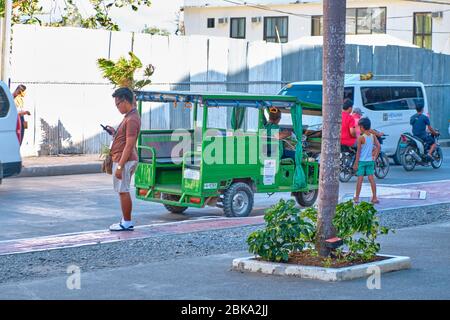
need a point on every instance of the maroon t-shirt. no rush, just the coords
(128, 130)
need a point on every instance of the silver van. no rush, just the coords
(10, 159)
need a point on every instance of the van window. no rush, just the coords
(392, 98)
(312, 93)
(4, 104)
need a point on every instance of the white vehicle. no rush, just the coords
(388, 104)
(10, 160)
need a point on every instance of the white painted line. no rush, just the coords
(423, 195)
(414, 183)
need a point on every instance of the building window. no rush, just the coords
(366, 21)
(237, 28)
(423, 28)
(211, 23)
(317, 25)
(276, 29)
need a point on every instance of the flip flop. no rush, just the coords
(375, 202)
(356, 201)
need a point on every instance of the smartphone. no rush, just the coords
(106, 129)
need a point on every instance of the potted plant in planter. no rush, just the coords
(288, 242)
(122, 73)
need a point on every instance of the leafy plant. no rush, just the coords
(289, 230)
(122, 72)
(358, 226)
(286, 231)
(155, 31)
(27, 12)
(105, 151)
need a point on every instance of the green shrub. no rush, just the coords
(289, 230)
(358, 226)
(286, 231)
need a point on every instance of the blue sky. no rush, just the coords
(162, 14)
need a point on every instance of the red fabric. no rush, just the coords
(357, 117)
(347, 123)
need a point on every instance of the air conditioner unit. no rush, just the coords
(223, 20)
(256, 19)
(438, 14)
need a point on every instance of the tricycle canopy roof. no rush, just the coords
(224, 99)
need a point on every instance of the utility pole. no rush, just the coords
(5, 31)
(333, 74)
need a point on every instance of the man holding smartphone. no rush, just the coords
(124, 154)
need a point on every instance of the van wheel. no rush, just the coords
(238, 200)
(307, 199)
(171, 208)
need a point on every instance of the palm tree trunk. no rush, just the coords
(333, 92)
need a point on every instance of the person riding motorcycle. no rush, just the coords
(420, 123)
(348, 127)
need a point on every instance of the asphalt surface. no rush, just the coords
(210, 276)
(41, 206)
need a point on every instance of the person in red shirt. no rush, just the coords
(348, 130)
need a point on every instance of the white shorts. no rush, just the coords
(123, 186)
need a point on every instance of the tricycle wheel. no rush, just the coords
(307, 199)
(238, 200)
(171, 208)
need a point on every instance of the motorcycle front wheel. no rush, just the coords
(408, 160)
(382, 166)
(346, 170)
(438, 158)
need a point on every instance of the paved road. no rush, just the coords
(33, 207)
(212, 279)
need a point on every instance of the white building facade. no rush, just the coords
(425, 24)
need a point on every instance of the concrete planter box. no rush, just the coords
(394, 263)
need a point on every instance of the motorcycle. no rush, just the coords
(416, 152)
(348, 157)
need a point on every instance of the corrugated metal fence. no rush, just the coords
(66, 90)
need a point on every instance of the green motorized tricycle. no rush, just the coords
(227, 154)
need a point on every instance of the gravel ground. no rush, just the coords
(30, 266)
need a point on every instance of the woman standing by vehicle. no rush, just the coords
(18, 96)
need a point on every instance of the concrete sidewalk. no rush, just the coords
(60, 165)
(210, 277)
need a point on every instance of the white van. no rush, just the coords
(388, 104)
(10, 160)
